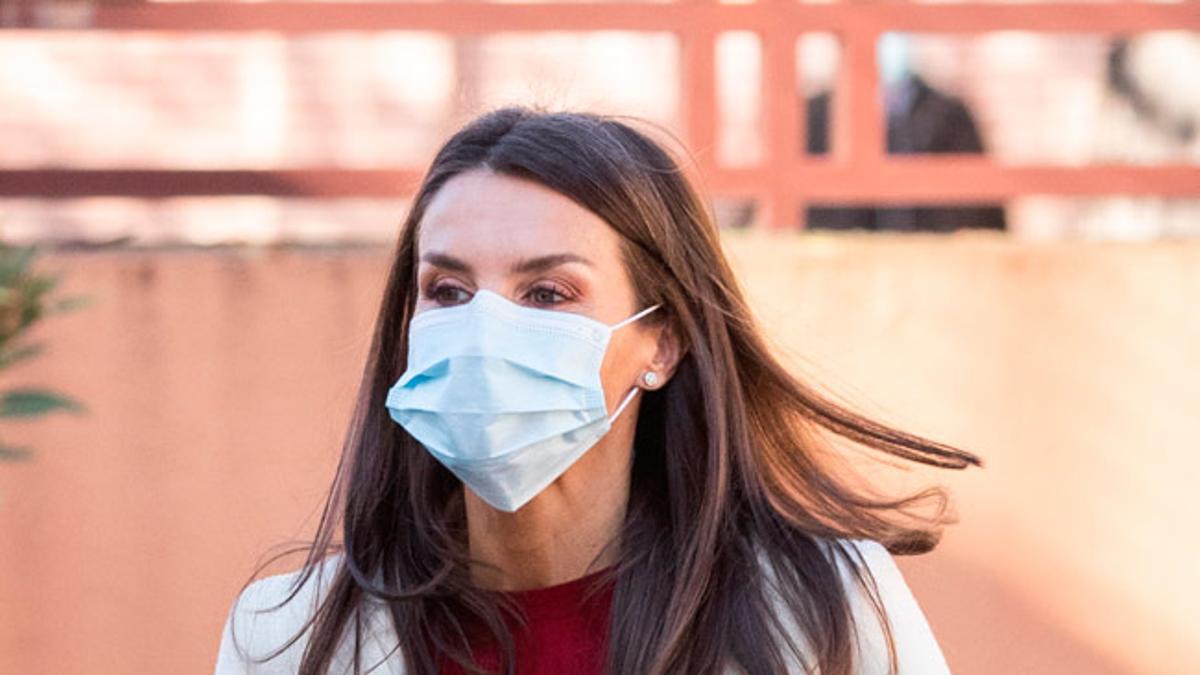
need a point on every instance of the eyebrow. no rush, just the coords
(524, 266)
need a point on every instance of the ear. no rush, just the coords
(668, 353)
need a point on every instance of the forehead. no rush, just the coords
(480, 213)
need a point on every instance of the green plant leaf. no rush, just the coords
(10, 454)
(69, 303)
(35, 402)
(35, 287)
(39, 285)
(14, 261)
(20, 353)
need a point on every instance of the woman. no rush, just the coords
(574, 453)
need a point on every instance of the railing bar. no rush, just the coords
(475, 17)
(929, 180)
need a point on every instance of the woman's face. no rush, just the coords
(540, 249)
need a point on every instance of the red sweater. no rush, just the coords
(566, 634)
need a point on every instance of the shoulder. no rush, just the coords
(917, 650)
(262, 620)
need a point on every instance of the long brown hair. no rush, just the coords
(729, 463)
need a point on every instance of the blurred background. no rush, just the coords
(977, 221)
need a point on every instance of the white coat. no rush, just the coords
(917, 650)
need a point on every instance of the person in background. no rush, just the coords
(1149, 114)
(920, 120)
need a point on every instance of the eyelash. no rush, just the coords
(434, 290)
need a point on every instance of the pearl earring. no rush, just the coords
(650, 378)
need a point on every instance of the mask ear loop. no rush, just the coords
(628, 397)
(635, 317)
(632, 392)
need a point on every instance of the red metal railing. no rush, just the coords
(858, 171)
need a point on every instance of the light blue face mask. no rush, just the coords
(507, 397)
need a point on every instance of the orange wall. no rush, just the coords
(220, 382)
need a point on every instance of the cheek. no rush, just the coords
(623, 364)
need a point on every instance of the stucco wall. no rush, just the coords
(219, 386)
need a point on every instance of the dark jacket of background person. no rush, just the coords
(921, 120)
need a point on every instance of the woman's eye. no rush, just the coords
(447, 294)
(547, 295)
